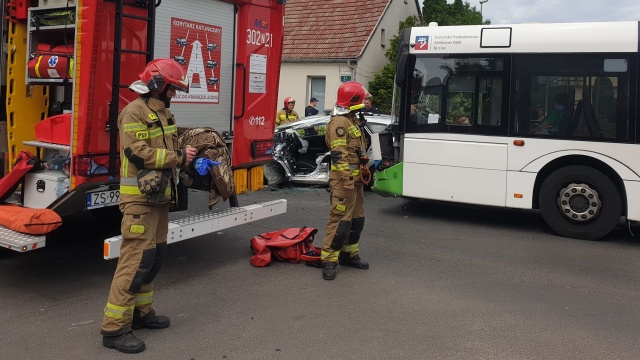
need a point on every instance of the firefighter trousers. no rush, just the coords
(346, 221)
(144, 242)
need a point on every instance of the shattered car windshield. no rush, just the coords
(305, 123)
(376, 123)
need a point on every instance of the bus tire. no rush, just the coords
(580, 202)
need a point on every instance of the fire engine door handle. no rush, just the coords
(41, 186)
(244, 88)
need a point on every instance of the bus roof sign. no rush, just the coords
(594, 37)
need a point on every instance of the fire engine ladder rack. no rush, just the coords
(120, 15)
(207, 223)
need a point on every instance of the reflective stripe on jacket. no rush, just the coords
(148, 140)
(283, 117)
(343, 137)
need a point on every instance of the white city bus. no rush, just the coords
(529, 116)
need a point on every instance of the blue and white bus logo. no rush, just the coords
(422, 43)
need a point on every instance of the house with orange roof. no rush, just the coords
(330, 42)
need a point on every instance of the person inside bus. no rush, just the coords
(417, 117)
(540, 112)
(463, 121)
(550, 124)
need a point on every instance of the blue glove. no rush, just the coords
(204, 165)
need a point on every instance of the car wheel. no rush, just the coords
(580, 202)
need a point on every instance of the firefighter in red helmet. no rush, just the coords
(287, 114)
(150, 157)
(346, 141)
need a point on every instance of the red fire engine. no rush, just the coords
(68, 67)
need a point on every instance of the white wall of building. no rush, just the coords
(373, 58)
(295, 82)
(295, 76)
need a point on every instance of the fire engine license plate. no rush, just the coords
(99, 199)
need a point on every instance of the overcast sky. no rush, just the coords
(519, 11)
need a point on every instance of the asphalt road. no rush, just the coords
(446, 282)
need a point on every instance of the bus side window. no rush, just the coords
(605, 104)
(597, 90)
(490, 101)
(460, 100)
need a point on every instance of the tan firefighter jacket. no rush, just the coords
(148, 140)
(285, 116)
(346, 141)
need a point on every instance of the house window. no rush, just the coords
(383, 38)
(318, 88)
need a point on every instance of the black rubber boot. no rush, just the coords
(329, 270)
(151, 321)
(317, 264)
(126, 343)
(354, 261)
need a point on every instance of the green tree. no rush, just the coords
(381, 87)
(458, 13)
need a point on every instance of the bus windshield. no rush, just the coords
(445, 88)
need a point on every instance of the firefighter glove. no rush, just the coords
(204, 165)
(365, 174)
(153, 183)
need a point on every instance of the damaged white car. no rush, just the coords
(301, 155)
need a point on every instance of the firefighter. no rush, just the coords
(346, 141)
(148, 173)
(287, 114)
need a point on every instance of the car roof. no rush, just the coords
(318, 120)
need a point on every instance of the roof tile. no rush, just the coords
(330, 29)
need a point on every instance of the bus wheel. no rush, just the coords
(580, 202)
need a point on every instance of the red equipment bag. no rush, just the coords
(29, 221)
(25, 161)
(52, 62)
(293, 245)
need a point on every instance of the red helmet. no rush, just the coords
(349, 94)
(160, 73)
(288, 100)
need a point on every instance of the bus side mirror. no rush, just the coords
(403, 55)
(401, 68)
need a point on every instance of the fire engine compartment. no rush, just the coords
(66, 79)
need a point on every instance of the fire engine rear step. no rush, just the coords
(207, 223)
(16, 241)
